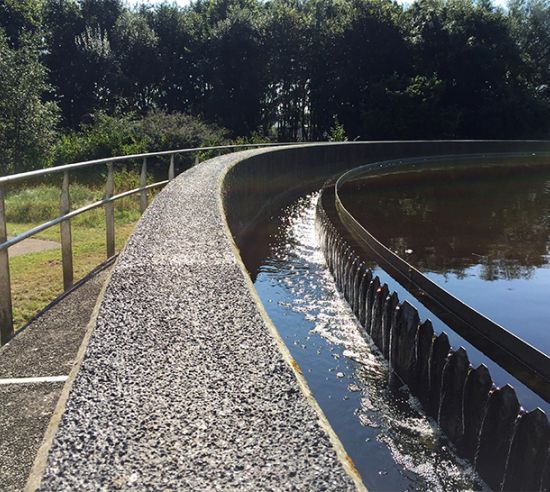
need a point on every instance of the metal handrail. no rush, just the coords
(13, 178)
(66, 214)
(534, 365)
(71, 215)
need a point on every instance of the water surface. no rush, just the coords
(392, 443)
(484, 237)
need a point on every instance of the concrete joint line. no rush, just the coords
(36, 380)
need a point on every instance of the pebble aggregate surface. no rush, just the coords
(183, 387)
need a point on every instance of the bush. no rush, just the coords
(168, 131)
(106, 136)
(109, 136)
(337, 132)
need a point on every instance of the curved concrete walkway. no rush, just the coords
(185, 383)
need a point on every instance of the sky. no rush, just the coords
(501, 3)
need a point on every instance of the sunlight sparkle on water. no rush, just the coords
(392, 443)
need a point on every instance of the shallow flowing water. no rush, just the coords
(392, 443)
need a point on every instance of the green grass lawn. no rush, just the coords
(37, 278)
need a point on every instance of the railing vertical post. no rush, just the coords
(196, 158)
(6, 313)
(143, 184)
(110, 212)
(171, 169)
(66, 236)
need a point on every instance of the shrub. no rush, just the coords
(106, 136)
(337, 132)
(167, 131)
(110, 136)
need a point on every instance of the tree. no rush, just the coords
(232, 64)
(27, 123)
(176, 55)
(19, 19)
(363, 53)
(79, 56)
(436, 69)
(530, 24)
(287, 97)
(135, 55)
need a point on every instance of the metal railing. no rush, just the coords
(66, 214)
(527, 363)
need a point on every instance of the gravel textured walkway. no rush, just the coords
(184, 385)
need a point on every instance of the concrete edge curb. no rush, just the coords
(39, 466)
(341, 453)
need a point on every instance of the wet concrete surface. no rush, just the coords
(47, 347)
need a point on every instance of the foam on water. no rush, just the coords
(403, 447)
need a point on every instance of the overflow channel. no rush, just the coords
(486, 424)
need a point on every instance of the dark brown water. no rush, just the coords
(484, 237)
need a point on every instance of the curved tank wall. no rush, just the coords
(182, 378)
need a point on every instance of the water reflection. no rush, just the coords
(484, 236)
(392, 443)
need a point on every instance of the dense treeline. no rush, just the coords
(284, 69)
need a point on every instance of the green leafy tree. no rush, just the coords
(20, 19)
(530, 24)
(80, 57)
(470, 49)
(291, 68)
(27, 123)
(176, 55)
(232, 64)
(287, 99)
(135, 52)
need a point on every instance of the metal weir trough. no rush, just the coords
(486, 424)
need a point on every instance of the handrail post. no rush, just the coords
(66, 236)
(110, 212)
(143, 184)
(6, 313)
(196, 158)
(171, 169)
